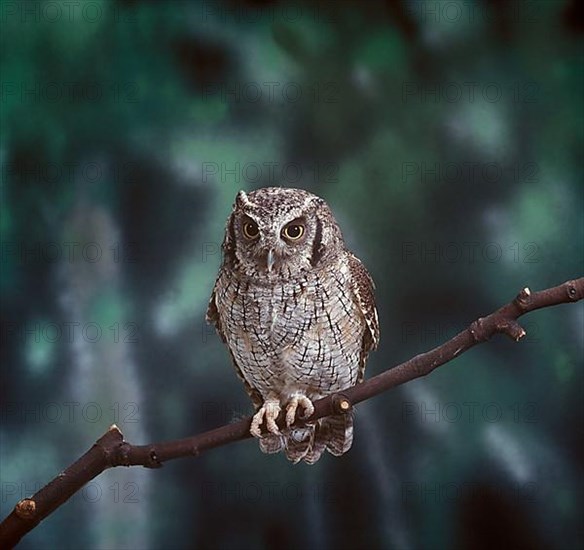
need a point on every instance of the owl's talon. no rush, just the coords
(292, 407)
(269, 412)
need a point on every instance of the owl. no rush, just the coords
(297, 312)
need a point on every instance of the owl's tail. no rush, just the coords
(333, 434)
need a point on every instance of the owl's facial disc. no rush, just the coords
(275, 240)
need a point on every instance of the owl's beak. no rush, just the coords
(271, 260)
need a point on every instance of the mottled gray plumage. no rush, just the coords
(297, 312)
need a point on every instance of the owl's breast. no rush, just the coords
(303, 334)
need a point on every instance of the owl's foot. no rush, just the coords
(298, 399)
(268, 411)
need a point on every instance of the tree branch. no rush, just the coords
(110, 450)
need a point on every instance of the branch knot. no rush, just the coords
(341, 403)
(152, 461)
(573, 291)
(478, 332)
(25, 508)
(511, 328)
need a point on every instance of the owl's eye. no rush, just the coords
(293, 231)
(250, 229)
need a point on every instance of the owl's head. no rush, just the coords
(278, 231)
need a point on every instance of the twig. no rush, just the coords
(110, 450)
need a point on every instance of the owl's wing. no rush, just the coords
(362, 286)
(214, 318)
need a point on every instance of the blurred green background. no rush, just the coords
(446, 136)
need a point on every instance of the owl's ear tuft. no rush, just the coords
(241, 199)
(229, 242)
(318, 247)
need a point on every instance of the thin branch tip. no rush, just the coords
(512, 329)
(523, 299)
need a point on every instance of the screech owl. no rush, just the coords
(297, 312)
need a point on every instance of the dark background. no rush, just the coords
(447, 138)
